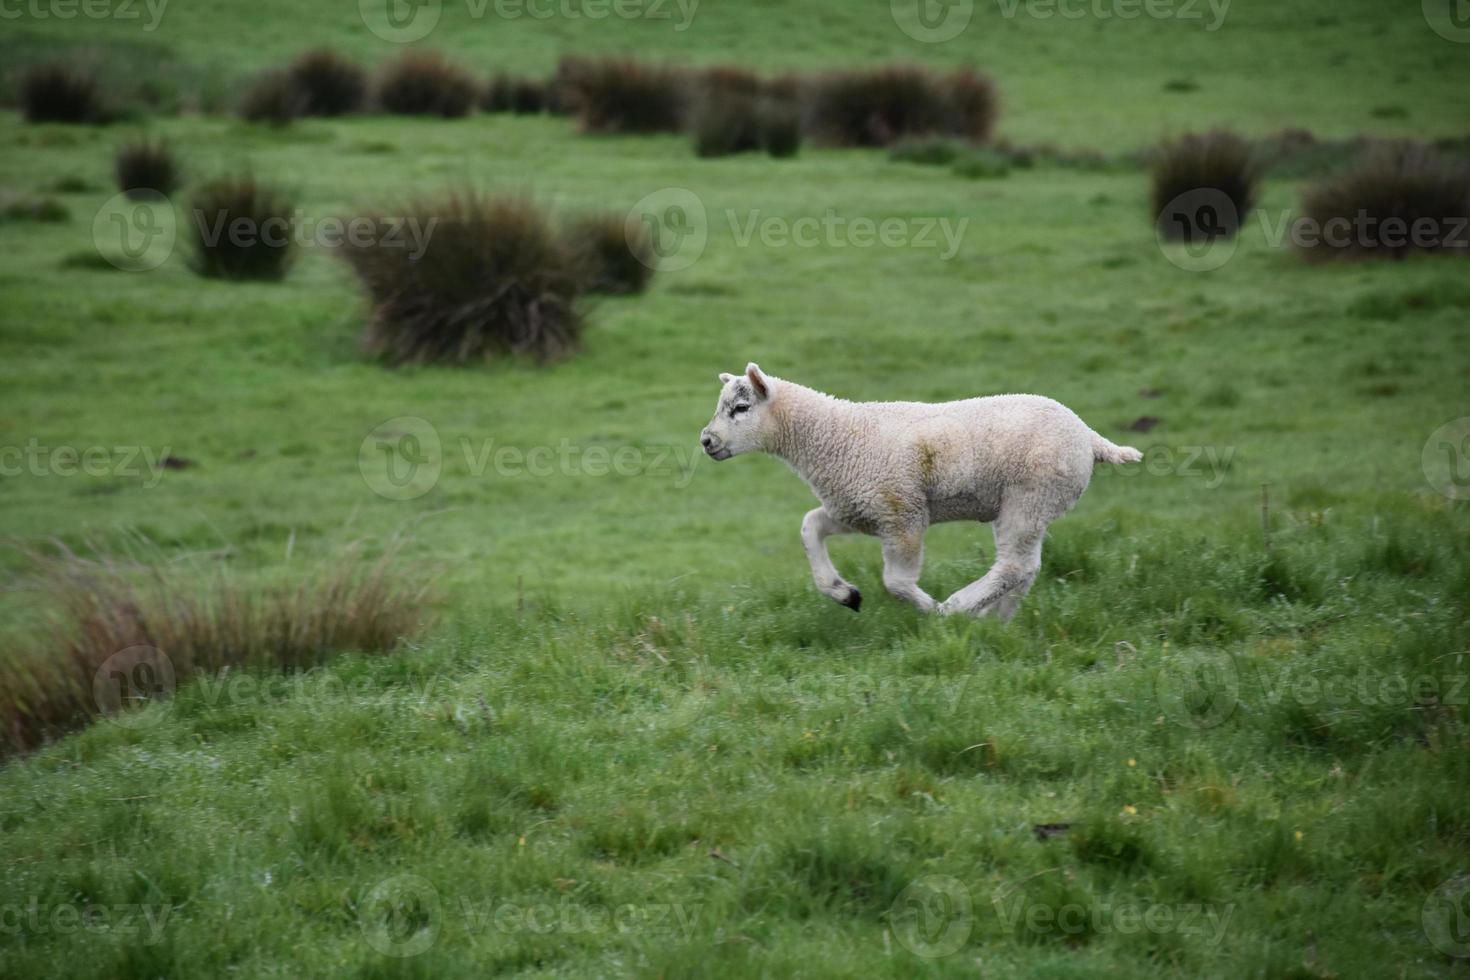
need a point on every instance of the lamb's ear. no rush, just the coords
(726, 377)
(758, 380)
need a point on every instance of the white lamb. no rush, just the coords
(891, 469)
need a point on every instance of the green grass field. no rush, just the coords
(634, 739)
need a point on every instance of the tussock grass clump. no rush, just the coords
(527, 97)
(45, 210)
(1298, 153)
(841, 869)
(120, 633)
(499, 93)
(522, 96)
(622, 95)
(1397, 198)
(145, 164)
(1204, 185)
(273, 97)
(494, 277)
(613, 252)
(241, 229)
(982, 164)
(328, 83)
(726, 123)
(999, 156)
(72, 184)
(782, 125)
(880, 106)
(972, 105)
(730, 79)
(875, 108)
(729, 122)
(423, 83)
(931, 151)
(566, 82)
(734, 111)
(59, 92)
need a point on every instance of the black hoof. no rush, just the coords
(854, 600)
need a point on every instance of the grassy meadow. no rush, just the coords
(1225, 736)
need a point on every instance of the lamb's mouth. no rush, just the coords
(719, 453)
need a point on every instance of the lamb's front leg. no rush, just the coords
(816, 528)
(903, 559)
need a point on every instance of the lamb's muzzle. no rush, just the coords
(891, 469)
(712, 447)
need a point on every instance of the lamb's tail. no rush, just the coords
(1108, 452)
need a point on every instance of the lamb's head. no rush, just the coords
(742, 416)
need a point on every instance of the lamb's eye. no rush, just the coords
(738, 409)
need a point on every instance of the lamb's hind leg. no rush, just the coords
(816, 528)
(903, 559)
(1005, 607)
(1017, 561)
